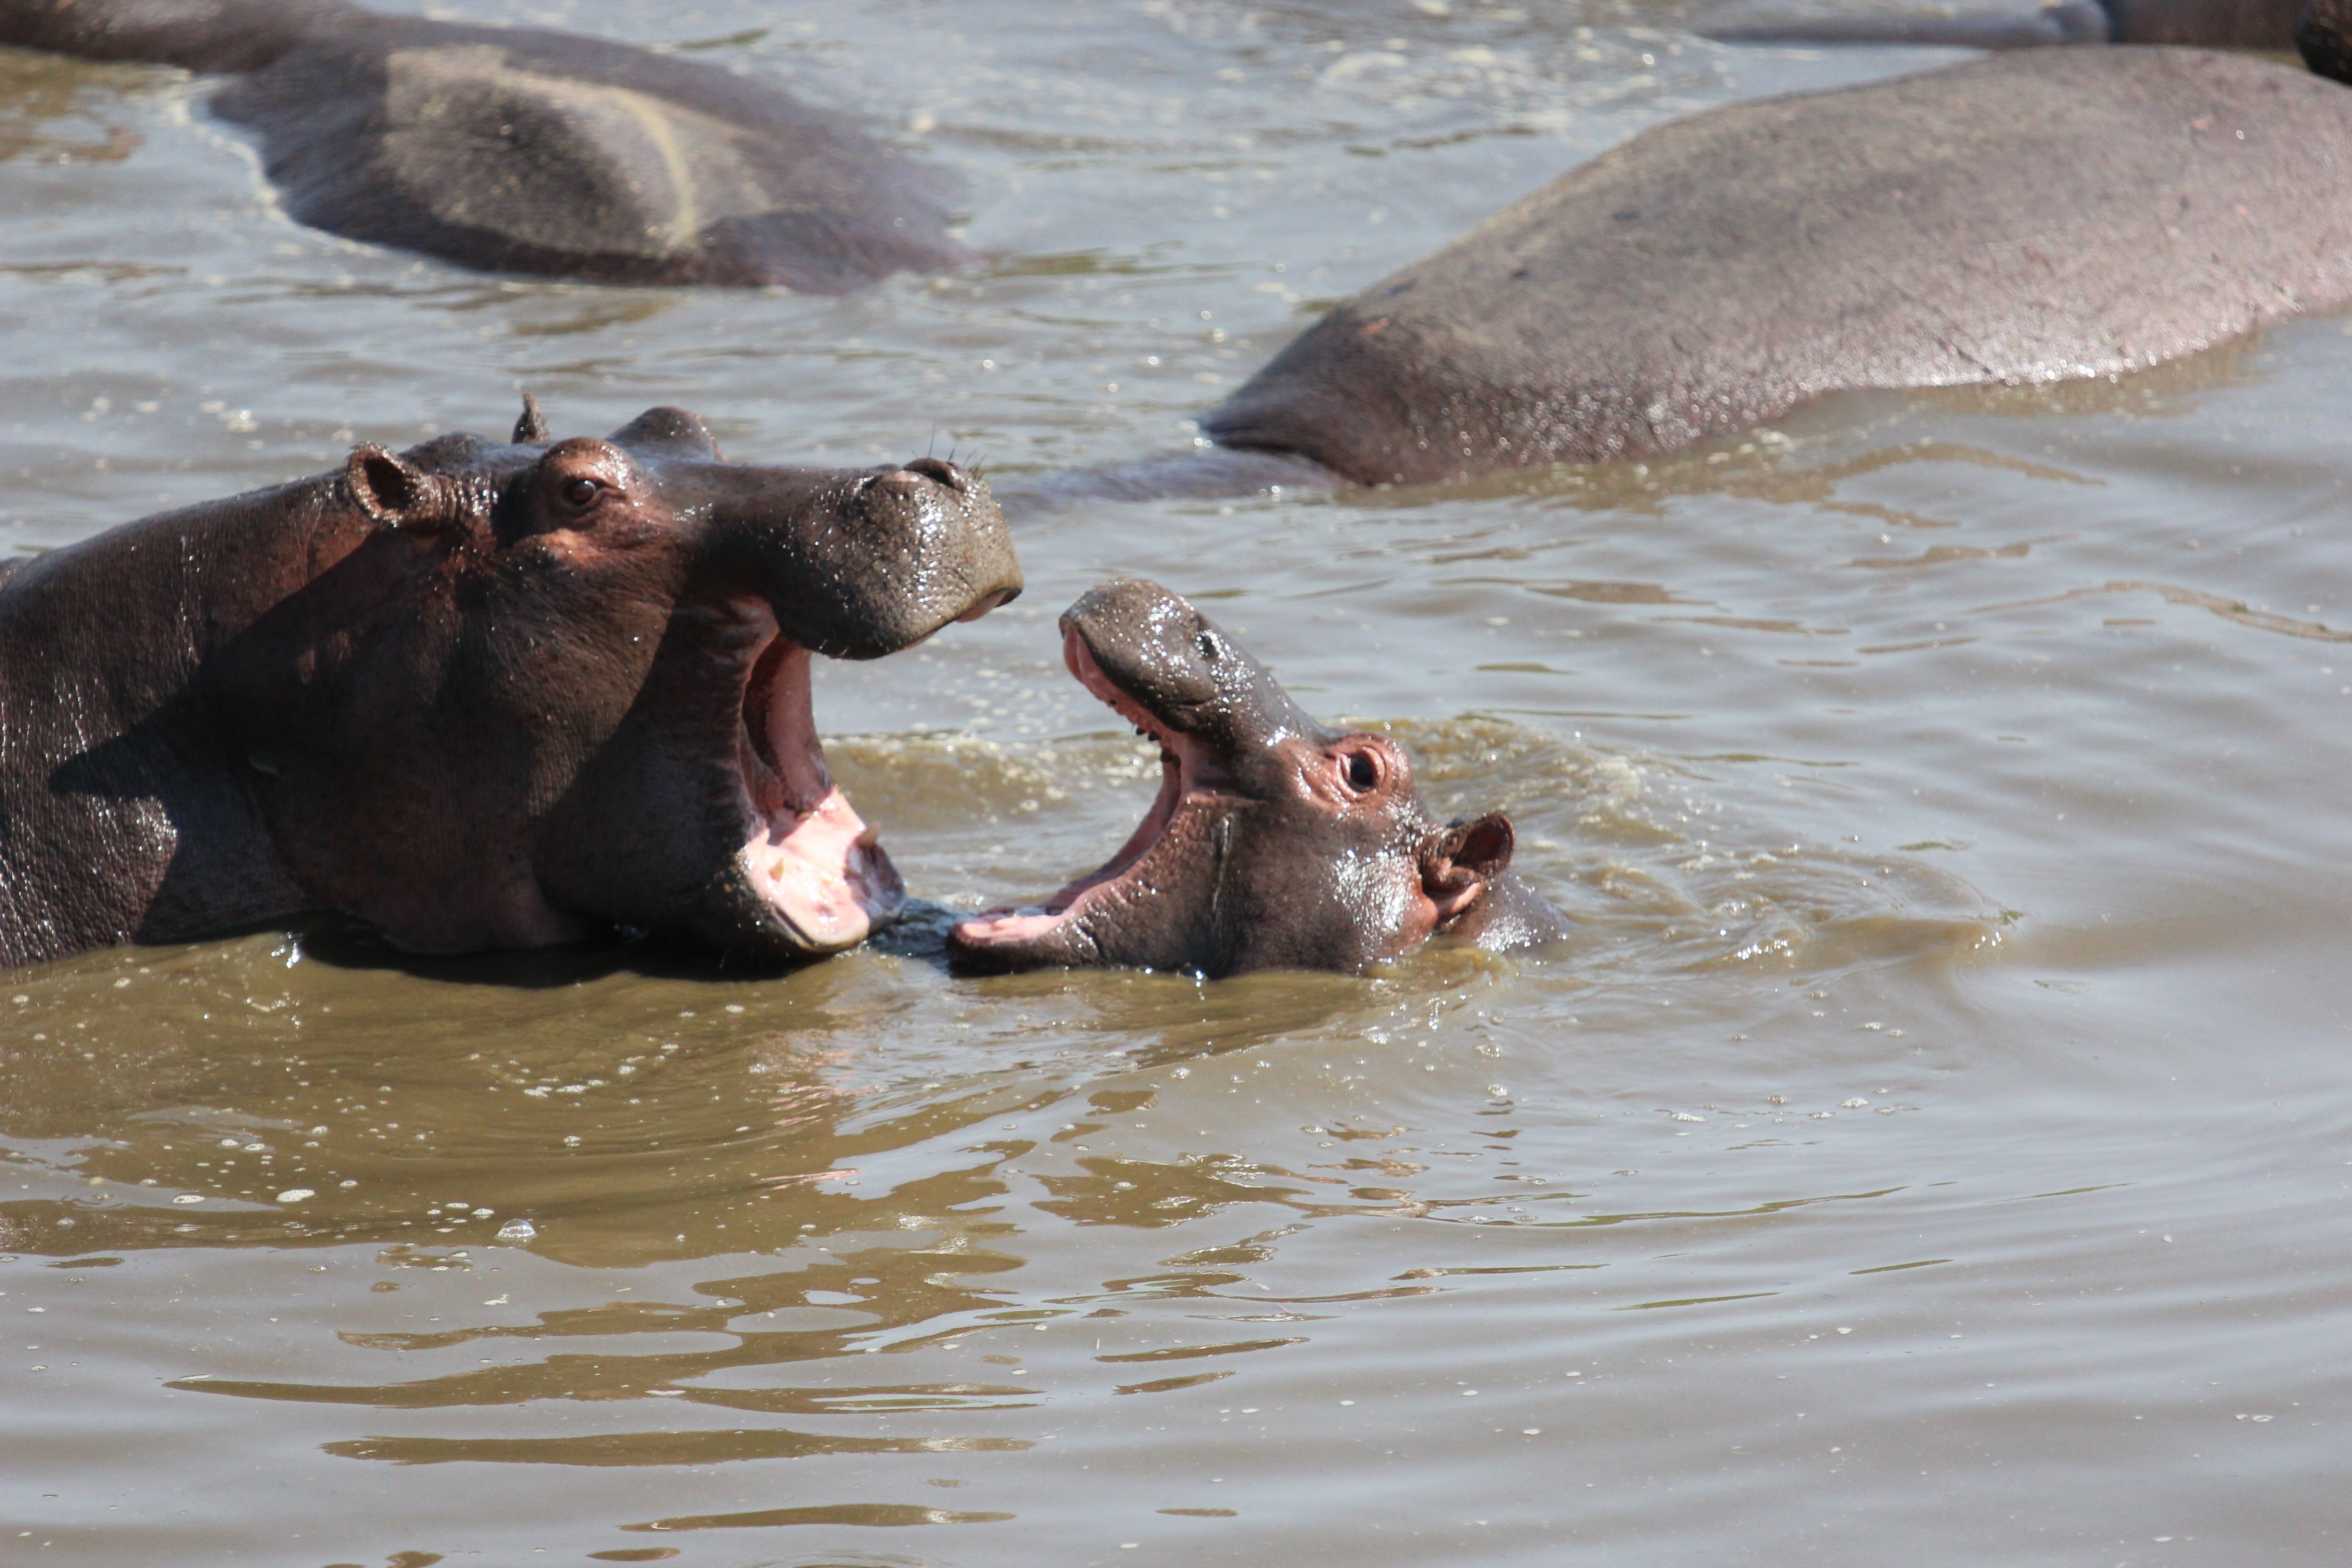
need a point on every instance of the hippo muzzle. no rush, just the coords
(1275, 843)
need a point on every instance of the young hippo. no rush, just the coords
(1276, 842)
(480, 694)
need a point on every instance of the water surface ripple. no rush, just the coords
(1934, 1147)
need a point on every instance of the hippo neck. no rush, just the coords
(119, 762)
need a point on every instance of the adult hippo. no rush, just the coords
(525, 150)
(481, 694)
(1275, 844)
(2035, 216)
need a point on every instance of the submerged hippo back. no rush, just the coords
(2026, 217)
(201, 35)
(538, 152)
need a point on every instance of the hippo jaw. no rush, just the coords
(805, 875)
(1161, 859)
(817, 871)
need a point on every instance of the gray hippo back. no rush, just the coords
(526, 151)
(2027, 217)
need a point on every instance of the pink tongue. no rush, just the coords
(1008, 925)
(827, 875)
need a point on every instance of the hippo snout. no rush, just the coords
(869, 563)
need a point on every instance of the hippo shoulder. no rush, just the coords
(2023, 217)
(526, 151)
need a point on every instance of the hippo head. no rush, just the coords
(521, 691)
(1275, 844)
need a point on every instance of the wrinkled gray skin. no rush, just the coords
(2034, 216)
(519, 149)
(1276, 842)
(481, 694)
(2207, 24)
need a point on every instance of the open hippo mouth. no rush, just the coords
(813, 862)
(1190, 777)
(1275, 843)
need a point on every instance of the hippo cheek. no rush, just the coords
(711, 810)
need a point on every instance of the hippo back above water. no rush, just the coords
(522, 150)
(2027, 217)
(480, 694)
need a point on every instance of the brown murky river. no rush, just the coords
(1933, 1149)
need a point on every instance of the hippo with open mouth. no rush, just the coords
(1276, 842)
(482, 694)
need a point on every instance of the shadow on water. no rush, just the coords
(352, 946)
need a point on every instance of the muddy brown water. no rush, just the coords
(1934, 1148)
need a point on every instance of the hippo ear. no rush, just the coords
(668, 429)
(1458, 865)
(532, 425)
(398, 494)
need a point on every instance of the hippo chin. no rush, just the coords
(526, 151)
(480, 694)
(1275, 844)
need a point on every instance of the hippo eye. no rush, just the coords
(580, 492)
(1362, 772)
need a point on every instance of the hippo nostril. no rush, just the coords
(941, 471)
(1210, 649)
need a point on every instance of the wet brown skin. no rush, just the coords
(481, 694)
(521, 150)
(1276, 842)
